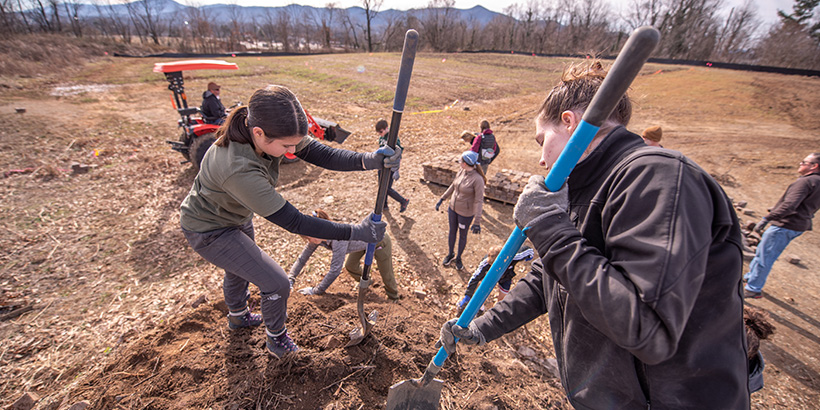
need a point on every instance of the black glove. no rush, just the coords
(368, 231)
(536, 201)
(475, 228)
(450, 330)
(438, 204)
(384, 157)
(761, 226)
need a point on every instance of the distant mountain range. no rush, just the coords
(223, 13)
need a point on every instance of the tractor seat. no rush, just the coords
(188, 111)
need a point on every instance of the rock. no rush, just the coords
(200, 300)
(25, 402)
(420, 294)
(77, 168)
(81, 405)
(328, 199)
(794, 260)
(748, 212)
(20, 110)
(526, 351)
(741, 204)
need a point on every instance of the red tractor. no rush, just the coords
(197, 136)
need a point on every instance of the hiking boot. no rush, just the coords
(447, 259)
(459, 265)
(404, 205)
(280, 345)
(238, 320)
(748, 294)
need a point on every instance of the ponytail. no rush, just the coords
(235, 128)
(480, 172)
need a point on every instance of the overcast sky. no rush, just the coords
(767, 9)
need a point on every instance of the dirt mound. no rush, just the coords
(195, 361)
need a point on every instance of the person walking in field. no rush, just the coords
(382, 128)
(237, 179)
(467, 192)
(639, 268)
(354, 250)
(791, 216)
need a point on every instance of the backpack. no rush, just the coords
(487, 149)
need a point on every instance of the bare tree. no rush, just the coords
(642, 13)
(40, 16)
(351, 39)
(145, 14)
(8, 17)
(325, 20)
(792, 43)
(72, 11)
(371, 9)
(284, 28)
(438, 22)
(737, 35)
(688, 29)
(55, 15)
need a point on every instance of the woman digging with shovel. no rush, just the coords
(237, 179)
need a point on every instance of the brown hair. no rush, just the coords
(493, 253)
(381, 124)
(485, 125)
(319, 213)
(574, 92)
(274, 109)
(758, 328)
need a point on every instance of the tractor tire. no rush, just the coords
(199, 147)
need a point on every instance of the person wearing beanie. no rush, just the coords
(466, 195)
(652, 136)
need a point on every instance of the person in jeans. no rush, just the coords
(639, 270)
(237, 179)
(354, 250)
(382, 128)
(790, 217)
(467, 192)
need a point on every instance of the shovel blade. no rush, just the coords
(411, 395)
(357, 334)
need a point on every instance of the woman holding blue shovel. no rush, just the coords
(639, 269)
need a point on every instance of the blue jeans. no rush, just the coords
(771, 245)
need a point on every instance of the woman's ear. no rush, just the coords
(570, 120)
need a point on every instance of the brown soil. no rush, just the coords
(110, 281)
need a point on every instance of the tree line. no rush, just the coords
(691, 29)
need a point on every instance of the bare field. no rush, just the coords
(109, 279)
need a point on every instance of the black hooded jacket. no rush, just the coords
(212, 108)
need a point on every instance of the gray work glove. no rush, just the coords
(384, 157)
(761, 226)
(536, 202)
(438, 204)
(368, 231)
(476, 228)
(308, 291)
(292, 280)
(396, 175)
(450, 330)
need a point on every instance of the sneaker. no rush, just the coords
(748, 294)
(447, 259)
(244, 319)
(281, 345)
(459, 265)
(404, 205)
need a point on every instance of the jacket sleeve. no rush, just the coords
(792, 198)
(449, 192)
(526, 301)
(336, 262)
(478, 201)
(300, 263)
(334, 159)
(476, 147)
(657, 231)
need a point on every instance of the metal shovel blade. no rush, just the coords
(357, 334)
(411, 395)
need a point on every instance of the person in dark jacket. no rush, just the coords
(639, 270)
(213, 112)
(790, 217)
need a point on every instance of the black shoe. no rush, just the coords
(447, 259)
(459, 265)
(748, 294)
(404, 205)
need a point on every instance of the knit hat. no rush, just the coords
(469, 157)
(653, 133)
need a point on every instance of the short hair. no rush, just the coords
(574, 92)
(485, 125)
(493, 253)
(381, 124)
(815, 157)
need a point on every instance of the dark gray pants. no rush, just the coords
(234, 250)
